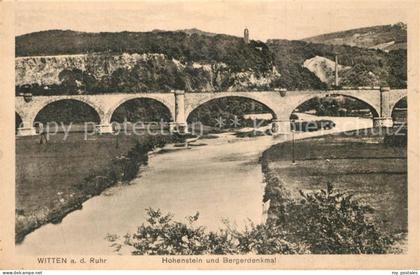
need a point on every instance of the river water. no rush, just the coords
(221, 179)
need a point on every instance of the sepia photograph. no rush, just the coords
(210, 134)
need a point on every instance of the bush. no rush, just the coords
(163, 236)
(323, 222)
(122, 168)
(253, 133)
(310, 126)
(331, 222)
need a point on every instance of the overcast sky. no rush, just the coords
(265, 19)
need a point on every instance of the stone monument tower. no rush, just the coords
(246, 36)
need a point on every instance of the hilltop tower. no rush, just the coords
(246, 36)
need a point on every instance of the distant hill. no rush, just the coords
(60, 61)
(180, 45)
(190, 31)
(68, 61)
(384, 37)
(197, 31)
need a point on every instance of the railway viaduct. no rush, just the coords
(180, 104)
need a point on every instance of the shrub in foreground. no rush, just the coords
(332, 222)
(322, 222)
(161, 235)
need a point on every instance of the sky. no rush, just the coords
(265, 19)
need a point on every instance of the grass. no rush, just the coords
(54, 179)
(43, 171)
(361, 165)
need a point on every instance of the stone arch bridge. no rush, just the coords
(181, 104)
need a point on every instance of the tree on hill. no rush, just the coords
(369, 67)
(179, 45)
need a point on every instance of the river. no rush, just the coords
(221, 179)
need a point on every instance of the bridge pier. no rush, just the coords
(104, 128)
(180, 125)
(383, 122)
(384, 119)
(280, 126)
(26, 128)
(26, 131)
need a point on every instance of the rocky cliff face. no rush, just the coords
(324, 68)
(134, 73)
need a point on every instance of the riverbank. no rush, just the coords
(214, 179)
(55, 178)
(361, 164)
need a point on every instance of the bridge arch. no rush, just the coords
(160, 111)
(168, 105)
(397, 101)
(400, 103)
(86, 108)
(374, 109)
(203, 101)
